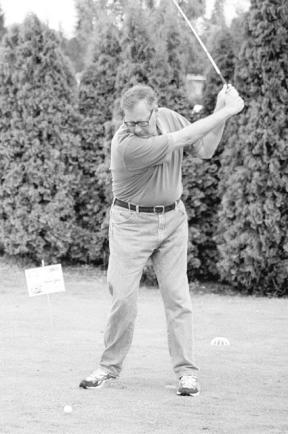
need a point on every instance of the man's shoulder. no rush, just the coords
(173, 117)
(120, 135)
(118, 147)
(165, 111)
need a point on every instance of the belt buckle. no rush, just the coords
(160, 209)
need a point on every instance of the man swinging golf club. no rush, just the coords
(148, 220)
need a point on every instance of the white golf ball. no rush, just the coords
(67, 409)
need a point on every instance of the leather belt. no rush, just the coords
(159, 209)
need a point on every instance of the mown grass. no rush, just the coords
(46, 352)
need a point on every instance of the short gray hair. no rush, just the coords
(138, 93)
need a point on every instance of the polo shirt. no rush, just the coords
(144, 170)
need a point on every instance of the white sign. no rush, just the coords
(45, 280)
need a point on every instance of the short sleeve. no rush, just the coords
(182, 122)
(141, 152)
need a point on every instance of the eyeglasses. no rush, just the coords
(132, 124)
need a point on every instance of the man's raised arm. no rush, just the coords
(209, 129)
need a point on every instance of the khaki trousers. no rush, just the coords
(133, 238)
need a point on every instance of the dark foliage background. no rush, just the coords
(96, 95)
(252, 219)
(55, 134)
(38, 143)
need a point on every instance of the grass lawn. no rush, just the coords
(244, 385)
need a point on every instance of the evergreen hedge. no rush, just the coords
(2, 24)
(38, 143)
(96, 99)
(201, 177)
(55, 184)
(252, 233)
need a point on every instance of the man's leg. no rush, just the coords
(131, 244)
(123, 278)
(170, 264)
(129, 252)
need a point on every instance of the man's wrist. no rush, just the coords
(227, 111)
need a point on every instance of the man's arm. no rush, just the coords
(208, 131)
(209, 143)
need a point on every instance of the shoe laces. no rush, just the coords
(189, 381)
(98, 374)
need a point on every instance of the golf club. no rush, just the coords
(200, 42)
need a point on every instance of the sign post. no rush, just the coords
(45, 280)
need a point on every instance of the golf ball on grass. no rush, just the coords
(68, 409)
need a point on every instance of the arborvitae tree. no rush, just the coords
(37, 143)
(215, 24)
(152, 53)
(72, 48)
(201, 177)
(168, 65)
(96, 99)
(90, 15)
(253, 219)
(193, 58)
(137, 49)
(85, 25)
(237, 28)
(224, 56)
(2, 24)
(218, 15)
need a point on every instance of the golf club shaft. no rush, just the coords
(200, 42)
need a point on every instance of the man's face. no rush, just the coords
(143, 119)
